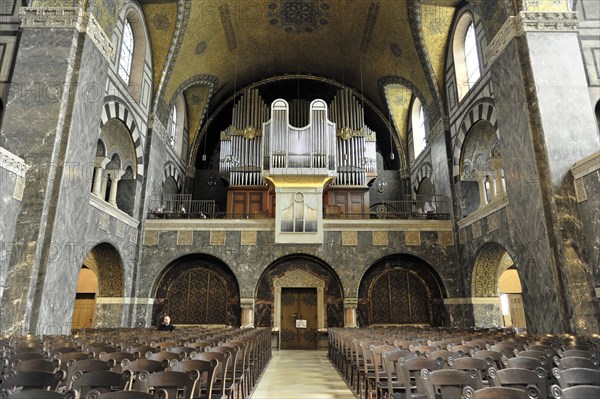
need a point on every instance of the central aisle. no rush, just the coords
(301, 374)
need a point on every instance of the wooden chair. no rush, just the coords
(236, 370)
(94, 383)
(31, 380)
(444, 354)
(576, 392)
(524, 363)
(164, 355)
(51, 366)
(226, 383)
(576, 376)
(409, 374)
(380, 376)
(575, 361)
(140, 365)
(172, 382)
(368, 368)
(449, 384)
(207, 369)
(79, 367)
(501, 392)
(40, 394)
(519, 378)
(472, 363)
(494, 355)
(128, 395)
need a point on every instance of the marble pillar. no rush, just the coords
(100, 164)
(350, 305)
(247, 305)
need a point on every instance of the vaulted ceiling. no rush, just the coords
(364, 44)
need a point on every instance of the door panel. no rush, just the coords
(299, 303)
(83, 314)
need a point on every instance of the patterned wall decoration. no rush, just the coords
(264, 304)
(197, 296)
(105, 261)
(399, 296)
(298, 16)
(393, 284)
(105, 12)
(228, 26)
(198, 290)
(485, 272)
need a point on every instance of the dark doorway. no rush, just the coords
(299, 318)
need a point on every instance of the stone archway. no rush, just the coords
(391, 285)
(197, 289)
(105, 262)
(491, 262)
(299, 271)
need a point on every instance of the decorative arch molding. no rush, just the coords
(299, 279)
(115, 108)
(425, 171)
(490, 262)
(170, 170)
(105, 261)
(483, 109)
(383, 119)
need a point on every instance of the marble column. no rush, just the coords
(497, 165)
(99, 166)
(115, 176)
(481, 182)
(541, 96)
(350, 305)
(247, 305)
(58, 77)
(492, 183)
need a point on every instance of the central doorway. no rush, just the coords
(299, 324)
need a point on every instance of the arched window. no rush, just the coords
(173, 126)
(418, 127)
(471, 57)
(126, 57)
(465, 54)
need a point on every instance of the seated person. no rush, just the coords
(166, 325)
(429, 207)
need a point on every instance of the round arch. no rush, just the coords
(102, 272)
(491, 261)
(197, 289)
(482, 110)
(298, 270)
(401, 270)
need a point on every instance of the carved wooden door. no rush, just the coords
(299, 305)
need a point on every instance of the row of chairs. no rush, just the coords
(191, 365)
(379, 363)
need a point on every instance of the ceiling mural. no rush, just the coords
(398, 98)
(436, 22)
(196, 99)
(161, 19)
(298, 16)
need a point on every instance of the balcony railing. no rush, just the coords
(185, 208)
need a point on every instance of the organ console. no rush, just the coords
(287, 158)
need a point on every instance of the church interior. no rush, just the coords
(411, 175)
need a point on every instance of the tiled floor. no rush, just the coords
(297, 374)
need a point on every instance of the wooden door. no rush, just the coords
(517, 311)
(83, 314)
(299, 304)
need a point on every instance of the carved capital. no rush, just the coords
(12, 163)
(49, 17)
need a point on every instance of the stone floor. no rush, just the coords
(298, 374)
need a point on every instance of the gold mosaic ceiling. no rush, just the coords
(261, 38)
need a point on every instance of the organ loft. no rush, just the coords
(345, 164)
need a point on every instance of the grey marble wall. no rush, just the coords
(546, 306)
(9, 209)
(589, 211)
(249, 261)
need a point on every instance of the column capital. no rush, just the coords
(102, 161)
(116, 174)
(350, 303)
(247, 303)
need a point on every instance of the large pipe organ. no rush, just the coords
(284, 158)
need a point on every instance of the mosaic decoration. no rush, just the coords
(298, 16)
(396, 49)
(228, 27)
(485, 273)
(399, 297)
(201, 47)
(105, 262)
(198, 296)
(369, 27)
